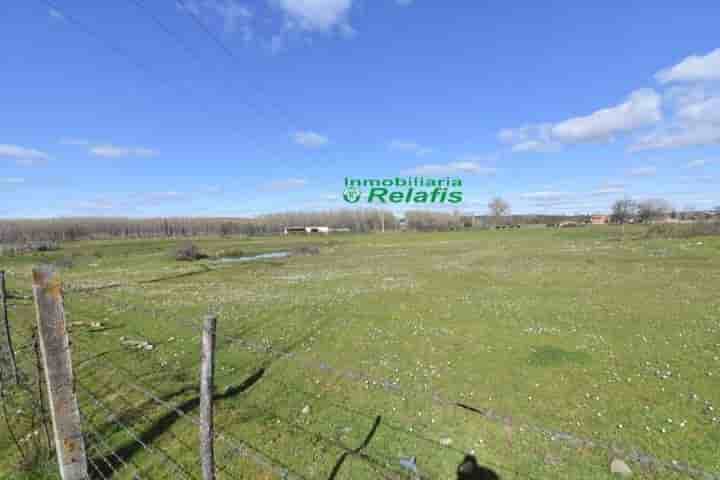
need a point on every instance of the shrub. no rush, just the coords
(667, 230)
(188, 252)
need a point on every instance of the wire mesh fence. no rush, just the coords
(140, 414)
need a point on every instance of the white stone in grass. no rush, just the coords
(306, 410)
(620, 468)
(446, 442)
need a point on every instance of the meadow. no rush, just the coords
(546, 353)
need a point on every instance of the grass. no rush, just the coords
(553, 335)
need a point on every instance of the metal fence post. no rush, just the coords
(55, 349)
(207, 371)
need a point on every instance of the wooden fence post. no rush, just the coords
(207, 371)
(55, 349)
(8, 367)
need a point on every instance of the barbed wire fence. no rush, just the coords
(149, 418)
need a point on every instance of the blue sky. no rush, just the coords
(235, 108)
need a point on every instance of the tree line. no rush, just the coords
(70, 229)
(356, 220)
(627, 210)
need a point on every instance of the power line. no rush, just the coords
(99, 38)
(144, 68)
(198, 21)
(140, 5)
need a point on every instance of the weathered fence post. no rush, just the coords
(207, 371)
(8, 367)
(57, 364)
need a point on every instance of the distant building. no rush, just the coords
(599, 219)
(307, 230)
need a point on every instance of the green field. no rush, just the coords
(575, 346)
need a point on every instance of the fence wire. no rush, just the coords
(134, 428)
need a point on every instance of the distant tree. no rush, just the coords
(652, 209)
(623, 210)
(498, 208)
(226, 229)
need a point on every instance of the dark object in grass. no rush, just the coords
(188, 252)
(470, 470)
(306, 250)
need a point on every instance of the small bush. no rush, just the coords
(188, 252)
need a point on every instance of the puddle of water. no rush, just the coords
(262, 256)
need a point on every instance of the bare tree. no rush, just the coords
(653, 209)
(623, 211)
(426, 220)
(499, 208)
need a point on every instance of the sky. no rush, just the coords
(237, 108)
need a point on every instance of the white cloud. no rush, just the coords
(641, 108)
(699, 179)
(608, 190)
(212, 190)
(695, 68)
(452, 168)
(536, 146)
(411, 147)
(697, 163)
(682, 136)
(155, 198)
(232, 14)
(310, 139)
(703, 111)
(695, 119)
(74, 141)
(642, 172)
(12, 180)
(55, 14)
(530, 138)
(316, 15)
(23, 156)
(95, 204)
(114, 151)
(546, 196)
(285, 185)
